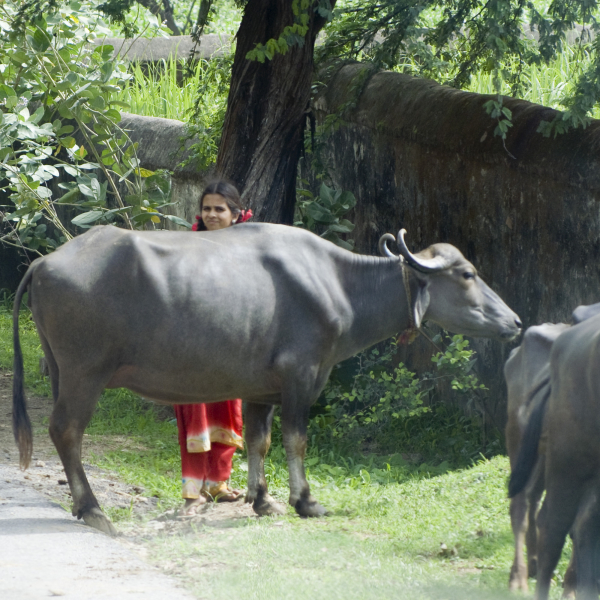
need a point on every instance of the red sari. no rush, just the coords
(208, 437)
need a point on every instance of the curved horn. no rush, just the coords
(439, 263)
(383, 249)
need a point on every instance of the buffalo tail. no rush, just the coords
(21, 422)
(528, 453)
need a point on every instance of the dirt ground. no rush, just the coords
(47, 476)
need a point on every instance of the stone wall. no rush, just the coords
(422, 156)
(150, 50)
(161, 146)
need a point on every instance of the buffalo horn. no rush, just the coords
(383, 249)
(439, 263)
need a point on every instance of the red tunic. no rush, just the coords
(208, 437)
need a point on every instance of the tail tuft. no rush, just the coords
(21, 423)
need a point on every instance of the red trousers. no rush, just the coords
(208, 437)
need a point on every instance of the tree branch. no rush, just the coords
(166, 15)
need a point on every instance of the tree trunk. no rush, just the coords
(266, 111)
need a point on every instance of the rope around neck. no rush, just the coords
(408, 336)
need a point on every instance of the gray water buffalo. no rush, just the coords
(526, 375)
(564, 426)
(257, 311)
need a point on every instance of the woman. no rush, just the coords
(210, 433)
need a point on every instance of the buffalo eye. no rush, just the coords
(469, 275)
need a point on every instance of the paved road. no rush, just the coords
(44, 552)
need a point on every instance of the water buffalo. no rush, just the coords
(526, 375)
(566, 423)
(258, 311)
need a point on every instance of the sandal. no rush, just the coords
(221, 492)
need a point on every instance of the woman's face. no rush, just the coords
(215, 212)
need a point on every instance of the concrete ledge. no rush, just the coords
(156, 49)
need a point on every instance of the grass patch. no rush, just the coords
(382, 540)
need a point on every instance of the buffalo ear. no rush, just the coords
(421, 303)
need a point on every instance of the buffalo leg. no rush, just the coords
(586, 539)
(72, 412)
(52, 366)
(534, 495)
(294, 423)
(554, 521)
(259, 418)
(518, 519)
(570, 578)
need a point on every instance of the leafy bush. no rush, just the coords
(210, 104)
(59, 119)
(383, 407)
(323, 214)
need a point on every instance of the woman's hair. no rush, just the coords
(229, 193)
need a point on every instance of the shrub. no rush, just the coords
(374, 403)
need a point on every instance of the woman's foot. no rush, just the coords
(191, 506)
(221, 492)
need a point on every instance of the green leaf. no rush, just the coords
(325, 195)
(68, 142)
(72, 78)
(36, 117)
(40, 40)
(6, 91)
(65, 129)
(178, 221)
(113, 114)
(87, 218)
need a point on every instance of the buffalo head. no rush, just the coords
(446, 289)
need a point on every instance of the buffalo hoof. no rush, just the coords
(266, 506)
(97, 519)
(309, 507)
(517, 581)
(532, 567)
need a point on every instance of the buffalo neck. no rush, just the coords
(378, 299)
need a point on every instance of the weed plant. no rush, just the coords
(386, 409)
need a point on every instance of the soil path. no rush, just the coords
(45, 552)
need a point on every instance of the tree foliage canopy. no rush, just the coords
(53, 83)
(446, 40)
(59, 120)
(453, 40)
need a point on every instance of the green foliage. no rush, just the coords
(30, 345)
(323, 214)
(292, 35)
(59, 119)
(501, 113)
(386, 408)
(210, 105)
(158, 90)
(455, 42)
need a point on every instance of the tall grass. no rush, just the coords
(160, 91)
(544, 84)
